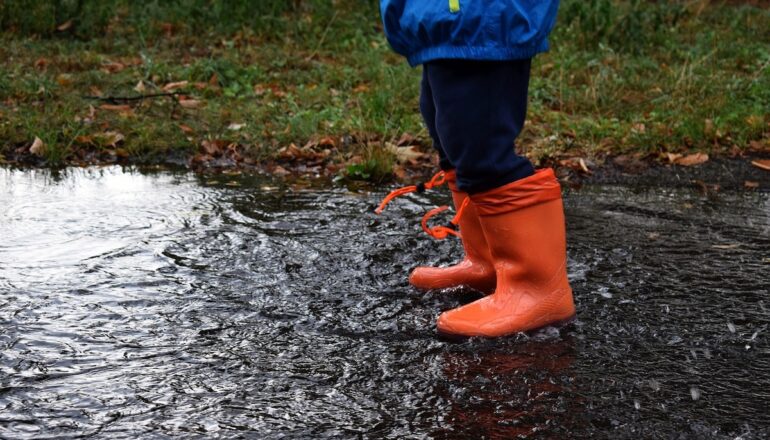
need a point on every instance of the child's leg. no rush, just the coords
(428, 110)
(476, 269)
(480, 107)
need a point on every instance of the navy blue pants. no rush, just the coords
(474, 111)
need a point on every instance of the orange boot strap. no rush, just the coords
(437, 180)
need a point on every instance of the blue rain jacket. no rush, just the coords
(426, 30)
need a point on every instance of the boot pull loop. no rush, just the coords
(442, 232)
(437, 180)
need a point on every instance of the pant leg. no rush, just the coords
(480, 109)
(428, 110)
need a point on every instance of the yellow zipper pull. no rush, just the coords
(454, 6)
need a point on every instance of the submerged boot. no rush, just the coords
(476, 270)
(523, 223)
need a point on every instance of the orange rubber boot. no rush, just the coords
(476, 270)
(524, 226)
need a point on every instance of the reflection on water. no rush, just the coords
(173, 305)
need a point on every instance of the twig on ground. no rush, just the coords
(123, 99)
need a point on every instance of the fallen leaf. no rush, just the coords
(84, 140)
(113, 67)
(175, 85)
(235, 126)
(327, 142)
(214, 147)
(64, 26)
(673, 157)
(186, 128)
(116, 107)
(140, 87)
(190, 103)
(762, 163)
(41, 63)
(64, 80)
(405, 154)
(399, 172)
(577, 164)
(37, 147)
(750, 184)
(405, 140)
(361, 88)
(281, 171)
(291, 152)
(757, 147)
(692, 159)
(583, 166)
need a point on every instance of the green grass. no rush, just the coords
(622, 77)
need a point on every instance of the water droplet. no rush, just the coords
(637, 405)
(695, 393)
(731, 327)
(605, 292)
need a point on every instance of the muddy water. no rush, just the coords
(170, 305)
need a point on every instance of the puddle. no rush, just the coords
(162, 305)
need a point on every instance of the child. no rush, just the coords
(476, 57)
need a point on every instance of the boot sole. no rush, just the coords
(560, 324)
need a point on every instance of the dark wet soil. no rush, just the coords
(179, 305)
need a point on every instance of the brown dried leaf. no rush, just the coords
(140, 87)
(673, 157)
(64, 26)
(583, 166)
(214, 147)
(116, 108)
(405, 154)
(405, 140)
(762, 164)
(175, 85)
(186, 128)
(281, 171)
(64, 80)
(578, 164)
(190, 103)
(291, 152)
(84, 140)
(38, 147)
(41, 63)
(328, 142)
(692, 159)
(113, 67)
(750, 184)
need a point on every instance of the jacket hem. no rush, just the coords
(476, 53)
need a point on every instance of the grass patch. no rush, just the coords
(623, 77)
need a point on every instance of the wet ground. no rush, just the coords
(175, 305)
